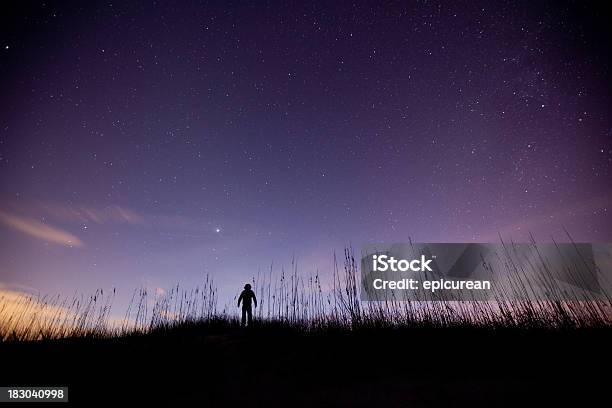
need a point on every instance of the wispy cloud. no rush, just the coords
(115, 214)
(39, 230)
(98, 215)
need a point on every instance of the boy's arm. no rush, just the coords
(240, 299)
(254, 299)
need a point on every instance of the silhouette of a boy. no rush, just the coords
(246, 297)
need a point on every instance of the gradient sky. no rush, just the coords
(154, 142)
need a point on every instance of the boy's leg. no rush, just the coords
(250, 315)
(244, 311)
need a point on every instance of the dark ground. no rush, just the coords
(279, 367)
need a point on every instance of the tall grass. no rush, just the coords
(29, 317)
(305, 302)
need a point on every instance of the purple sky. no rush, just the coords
(149, 144)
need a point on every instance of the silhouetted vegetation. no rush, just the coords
(302, 303)
(313, 344)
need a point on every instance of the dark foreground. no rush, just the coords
(279, 367)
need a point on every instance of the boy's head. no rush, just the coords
(247, 286)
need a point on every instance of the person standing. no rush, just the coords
(246, 297)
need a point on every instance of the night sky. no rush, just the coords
(152, 143)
